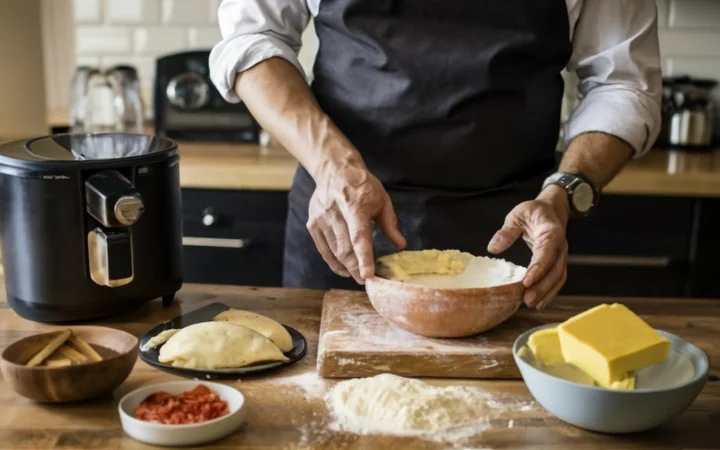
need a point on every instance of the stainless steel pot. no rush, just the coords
(689, 113)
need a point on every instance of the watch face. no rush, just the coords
(583, 197)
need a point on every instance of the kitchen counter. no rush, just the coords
(286, 410)
(228, 166)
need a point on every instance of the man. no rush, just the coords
(432, 120)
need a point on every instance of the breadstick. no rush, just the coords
(49, 349)
(85, 348)
(57, 361)
(74, 355)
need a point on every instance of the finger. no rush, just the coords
(326, 252)
(553, 292)
(545, 254)
(388, 223)
(504, 238)
(361, 238)
(345, 251)
(539, 291)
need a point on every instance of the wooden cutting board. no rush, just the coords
(355, 341)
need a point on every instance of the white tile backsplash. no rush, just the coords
(205, 37)
(695, 14)
(101, 40)
(153, 41)
(139, 30)
(132, 11)
(87, 11)
(184, 12)
(663, 7)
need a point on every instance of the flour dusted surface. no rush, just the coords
(389, 404)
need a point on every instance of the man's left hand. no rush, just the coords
(542, 223)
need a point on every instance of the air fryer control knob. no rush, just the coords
(209, 217)
(128, 209)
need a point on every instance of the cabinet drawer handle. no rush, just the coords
(603, 260)
(215, 242)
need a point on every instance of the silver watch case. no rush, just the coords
(581, 194)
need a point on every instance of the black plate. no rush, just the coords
(206, 314)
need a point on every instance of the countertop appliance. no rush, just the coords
(187, 105)
(688, 114)
(91, 224)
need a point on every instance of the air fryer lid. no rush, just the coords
(67, 148)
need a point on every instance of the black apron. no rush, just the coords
(453, 105)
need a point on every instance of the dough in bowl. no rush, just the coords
(261, 324)
(218, 345)
(448, 269)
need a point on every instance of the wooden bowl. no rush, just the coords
(443, 313)
(74, 383)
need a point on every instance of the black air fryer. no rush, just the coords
(91, 224)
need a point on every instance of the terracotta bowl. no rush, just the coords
(443, 313)
(71, 383)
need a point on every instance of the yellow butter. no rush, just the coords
(547, 352)
(625, 384)
(609, 341)
(545, 345)
(401, 266)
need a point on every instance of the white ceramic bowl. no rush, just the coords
(614, 411)
(181, 435)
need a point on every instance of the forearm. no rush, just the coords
(281, 101)
(598, 156)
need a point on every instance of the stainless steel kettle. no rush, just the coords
(689, 113)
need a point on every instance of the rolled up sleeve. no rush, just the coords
(253, 31)
(616, 56)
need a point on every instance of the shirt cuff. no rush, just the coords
(232, 56)
(619, 111)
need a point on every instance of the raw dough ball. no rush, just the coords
(261, 324)
(218, 345)
(403, 265)
(389, 404)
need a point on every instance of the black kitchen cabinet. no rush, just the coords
(704, 277)
(233, 237)
(630, 246)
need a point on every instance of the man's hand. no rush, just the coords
(542, 223)
(340, 215)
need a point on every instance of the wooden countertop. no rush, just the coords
(228, 166)
(286, 410)
(243, 166)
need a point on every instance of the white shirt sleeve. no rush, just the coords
(253, 31)
(616, 56)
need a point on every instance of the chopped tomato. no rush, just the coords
(196, 406)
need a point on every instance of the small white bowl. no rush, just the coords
(181, 435)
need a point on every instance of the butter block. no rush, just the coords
(626, 384)
(545, 345)
(609, 341)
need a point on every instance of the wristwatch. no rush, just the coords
(582, 195)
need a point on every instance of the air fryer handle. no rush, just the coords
(112, 199)
(110, 257)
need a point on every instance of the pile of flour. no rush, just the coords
(479, 272)
(389, 404)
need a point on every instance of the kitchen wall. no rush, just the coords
(136, 31)
(22, 91)
(109, 32)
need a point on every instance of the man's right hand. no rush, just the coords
(341, 212)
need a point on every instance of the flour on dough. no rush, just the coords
(263, 325)
(218, 345)
(389, 404)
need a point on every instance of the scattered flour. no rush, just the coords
(389, 404)
(310, 384)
